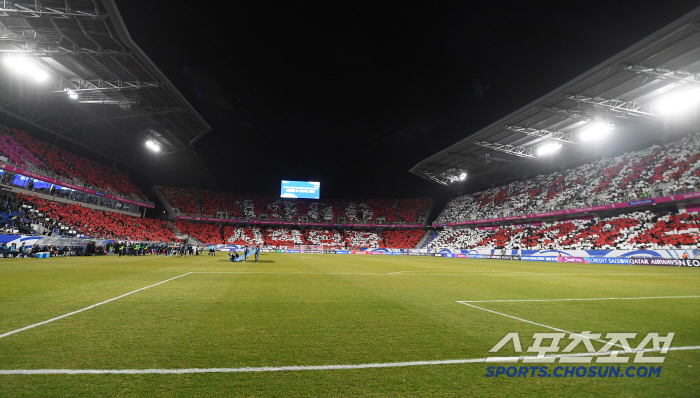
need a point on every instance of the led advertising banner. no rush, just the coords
(300, 189)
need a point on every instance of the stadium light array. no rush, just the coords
(25, 66)
(463, 176)
(152, 145)
(678, 102)
(596, 131)
(71, 94)
(548, 149)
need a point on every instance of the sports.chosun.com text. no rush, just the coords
(573, 371)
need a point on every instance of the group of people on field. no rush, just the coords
(233, 256)
(165, 249)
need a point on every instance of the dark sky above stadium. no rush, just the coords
(354, 94)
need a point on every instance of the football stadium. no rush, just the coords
(154, 244)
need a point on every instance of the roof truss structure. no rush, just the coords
(103, 93)
(622, 91)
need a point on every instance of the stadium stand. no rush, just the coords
(637, 230)
(213, 201)
(28, 152)
(243, 235)
(186, 200)
(403, 239)
(75, 220)
(284, 237)
(430, 239)
(361, 239)
(14, 219)
(204, 233)
(655, 171)
(269, 207)
(324, 237)
(412, 210)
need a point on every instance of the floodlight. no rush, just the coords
(463, 176)
(27, 67)
(548, 149)
(678, 102)
(72, 94)
(152, 145)
(596, 131)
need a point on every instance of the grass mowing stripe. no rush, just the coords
(319, 367)
(580, 299)
(86, 308)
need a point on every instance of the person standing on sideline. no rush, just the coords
(245, 253)
(257, 253)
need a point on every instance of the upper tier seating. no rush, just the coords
(413, 209)
(637, 230)
(38, 156)
(184, 199)
(204, 233)
(668, 170)
(72, 219)
(270, 207)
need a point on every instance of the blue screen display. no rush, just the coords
(300, 189)
(20, 180)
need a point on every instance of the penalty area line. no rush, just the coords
(539, 324)
(580, 299)
(320, 367)
(87, 308)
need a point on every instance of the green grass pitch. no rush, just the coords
(313, 309)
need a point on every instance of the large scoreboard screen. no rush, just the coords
(301, 189)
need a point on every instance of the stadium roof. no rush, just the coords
(102, 92)
(623, 91)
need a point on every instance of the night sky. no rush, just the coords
(354, 96)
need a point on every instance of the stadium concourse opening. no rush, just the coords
(575, 217)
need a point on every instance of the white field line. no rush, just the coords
(580, 299)
(554, 274)
(319, 367)
(87, 308)
(441, 270)
(537, 324)
(289, 273)
(483, 273)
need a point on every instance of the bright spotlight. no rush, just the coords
(548, 149)
(71, 94)
(596, 131)
(463, 176)
(678, 102)
(152, 145)
(27, 67)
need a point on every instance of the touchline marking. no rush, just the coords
(472, 273)
(87, 308)
(580, 274)
(289, 273)
(580, 299)
(320, 367)
(538, 324)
